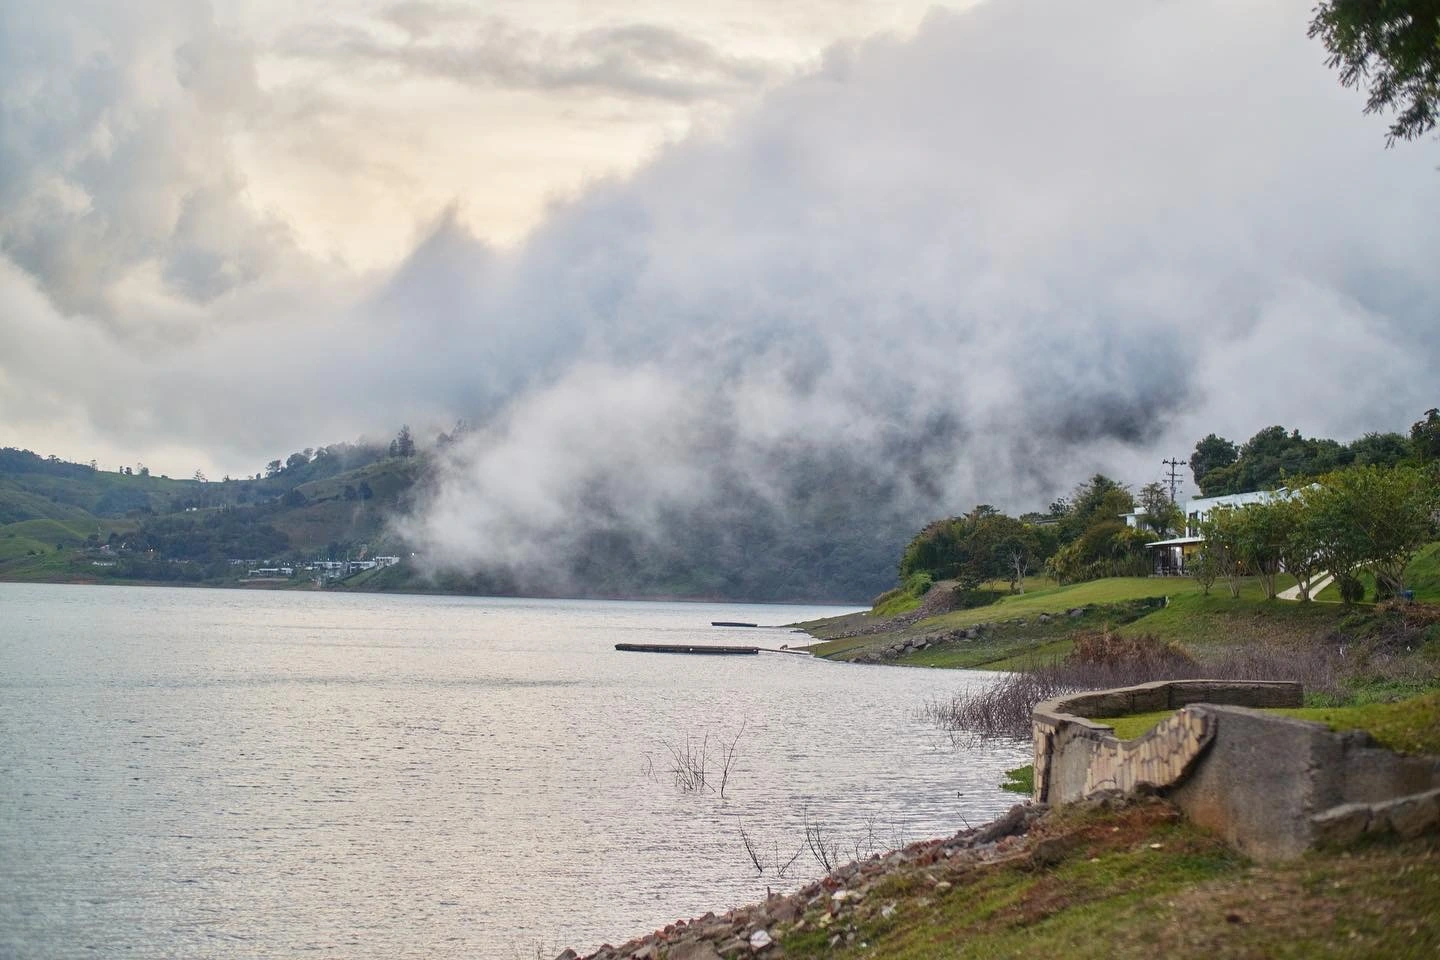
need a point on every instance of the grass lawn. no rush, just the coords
(1409, 726)
(1059, 599)
(1191, 618)
(1196, 620)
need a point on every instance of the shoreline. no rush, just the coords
(289, 587)
(830, 903)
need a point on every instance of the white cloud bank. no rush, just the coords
(1037, 239)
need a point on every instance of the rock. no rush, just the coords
(1341, 825)
(1014, 821)
(1075, 612)
(694, 950)
(568, 954)
(759, 940)
(1412, 816)
(1044, 618)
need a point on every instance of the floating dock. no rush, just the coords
(685, 648)
(731, 623)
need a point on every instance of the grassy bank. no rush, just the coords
(1138, 882)
(1038, 626)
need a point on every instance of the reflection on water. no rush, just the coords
(198, 772)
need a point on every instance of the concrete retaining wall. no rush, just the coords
(1271, 785)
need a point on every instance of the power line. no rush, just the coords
(1172, 475)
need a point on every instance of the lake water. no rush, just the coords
(196, 773)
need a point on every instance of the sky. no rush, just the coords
(979, 251)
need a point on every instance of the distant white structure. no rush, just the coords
(1171, 555)
(344, 568)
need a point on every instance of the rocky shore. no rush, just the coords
(899, 648)
(833, 906)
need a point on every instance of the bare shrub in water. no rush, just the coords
(823, 847)
(775, 861)
(690, 763)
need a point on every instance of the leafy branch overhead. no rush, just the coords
(1392, 47)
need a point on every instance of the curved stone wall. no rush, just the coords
(1271, 785)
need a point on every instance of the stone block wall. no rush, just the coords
(1273, 786)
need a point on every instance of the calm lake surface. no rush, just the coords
(196, 773)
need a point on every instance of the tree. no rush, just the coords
(1425, 436)
(144, 470)
(1393, 46)
(1223, 531)
(1299, 545)
(1382, 449)
(200, 475)
(1263, 531)
(1097, 500)
(1204, 567)
(1374, 517)
(296, 461)
(364, 490)
(349, 493)
(403, 445)
(1211, 453)
(272, 469)
(1161, 514)
(1272, 457)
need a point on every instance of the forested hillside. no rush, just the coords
(70, 521)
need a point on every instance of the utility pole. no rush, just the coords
(1172, 476)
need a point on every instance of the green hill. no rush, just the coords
(69, 521)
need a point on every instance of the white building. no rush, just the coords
(1171, 555)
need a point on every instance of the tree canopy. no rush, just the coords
(1393, 48)
(1275, 456)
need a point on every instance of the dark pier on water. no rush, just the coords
(704, 648)
(685, 648)
(731, 623)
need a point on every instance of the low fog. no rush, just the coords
(1036, 240)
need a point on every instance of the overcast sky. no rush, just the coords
(1031, 238)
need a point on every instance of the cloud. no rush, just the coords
(1033, 241)
(630, 60)
(118, 171)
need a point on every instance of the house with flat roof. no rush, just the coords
(1171, 555)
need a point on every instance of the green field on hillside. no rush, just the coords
(1422, 577)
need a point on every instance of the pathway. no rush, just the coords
(1317, 583)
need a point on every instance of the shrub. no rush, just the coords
(969, 599)
(1003, 707)
(918, 584)
(1352, 590)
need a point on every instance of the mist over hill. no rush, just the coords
(1033, 241)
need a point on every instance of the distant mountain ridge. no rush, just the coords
(70, 521)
